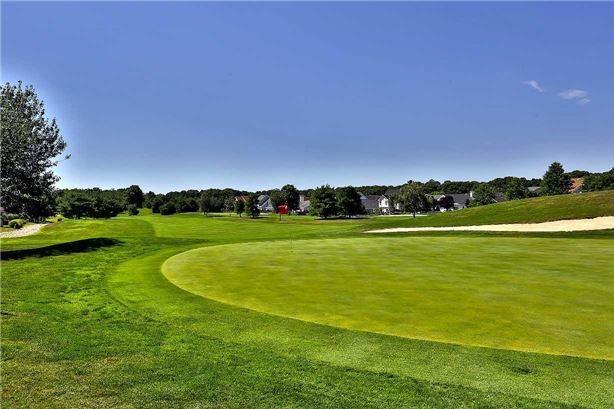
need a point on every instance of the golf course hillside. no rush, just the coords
(533, 210)
(189, 310)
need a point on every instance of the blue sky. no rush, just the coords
(253, 96)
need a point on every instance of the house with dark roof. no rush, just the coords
(369, 202)
(461, 200)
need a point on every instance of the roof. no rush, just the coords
(370, 202)
(576, 185)
(459, 198)
(534, 188)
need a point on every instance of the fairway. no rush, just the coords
(532, 294)
(221, 311)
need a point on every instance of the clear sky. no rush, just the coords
(253, 96)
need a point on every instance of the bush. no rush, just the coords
(132, 210)
(5, 218)
(168, 208)
(17, 223)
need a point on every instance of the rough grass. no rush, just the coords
(94, 323)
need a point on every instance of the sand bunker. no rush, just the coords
(598, 223)
(24, 231)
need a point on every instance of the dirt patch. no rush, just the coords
(598, 223)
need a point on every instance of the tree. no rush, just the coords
(156, 203)
(431, 186)
(239, 206)
(516, 189)
(411, 198)
(323, 202)
(348, 201)
(446, 202)
(78, 206)
(483, 194)
(30, 143)
(278, 198)
(132, 210)
(134, 196)
(555, 181)
(229, 204)
(206, 202)
(291, 196)
(251, 206)
(599, 181)
(149, 197)
(168, 208)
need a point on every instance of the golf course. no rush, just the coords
(198, 311)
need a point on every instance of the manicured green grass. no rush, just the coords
(89, 320)
(532, 294)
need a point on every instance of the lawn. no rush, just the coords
(532, 294)
(89, 320)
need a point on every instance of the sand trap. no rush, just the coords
(24, 231)
(598, 223)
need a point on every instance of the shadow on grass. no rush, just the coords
(78, 246)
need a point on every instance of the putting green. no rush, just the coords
(533, 294)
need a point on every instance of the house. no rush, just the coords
(369, 202)
(461, 200)
(576, 185)
(264, 203)
(534, 190)
(241, 198)
(499, 196)
(303, 204)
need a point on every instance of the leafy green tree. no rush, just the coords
(431, 186)
(229, 204)
(30, 145)
(348, 201)
(78, 206)
(149, 197)
(291, 196)
(132, 210)
(206, 202)
(251, 206)
(134, 196)
(599, 181)
(411, 198)
(323, 202)
(483, 194)
(555, 181)
(156, 203)
(239, 206)
(516, 189)
(278, 198)
(168, 208)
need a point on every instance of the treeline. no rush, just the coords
(325, 201)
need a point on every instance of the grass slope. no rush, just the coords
(89, 320)
(534, 210)
(532, 294)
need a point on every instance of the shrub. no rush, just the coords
(7, 217)
(17, 223)
(168, 208)
(132, 210)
